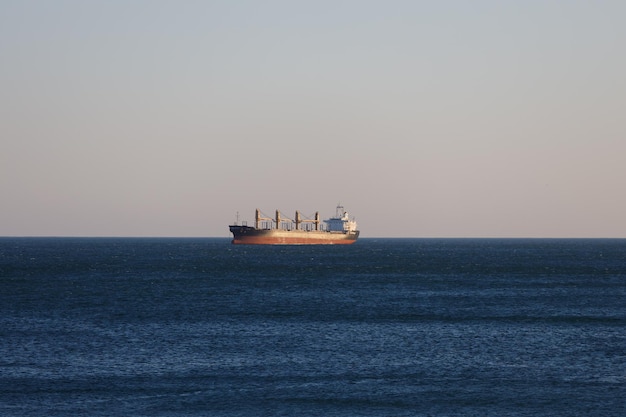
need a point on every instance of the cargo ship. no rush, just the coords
(338, 230)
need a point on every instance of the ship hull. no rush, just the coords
(245, 235)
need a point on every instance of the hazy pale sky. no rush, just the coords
(424, 118)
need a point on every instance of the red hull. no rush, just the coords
(248, 240)
(243, 235)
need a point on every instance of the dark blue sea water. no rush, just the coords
(385, 327)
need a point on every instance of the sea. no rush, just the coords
(384, 327)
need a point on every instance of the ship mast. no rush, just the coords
(316, 222)
(339, 211)
(258, 218)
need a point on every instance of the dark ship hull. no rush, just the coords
(247, 235)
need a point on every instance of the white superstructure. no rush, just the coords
(341, 222)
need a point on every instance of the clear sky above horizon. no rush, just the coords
(423, 118)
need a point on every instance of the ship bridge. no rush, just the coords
(341, 222)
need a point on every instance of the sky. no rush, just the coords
(422, 118)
